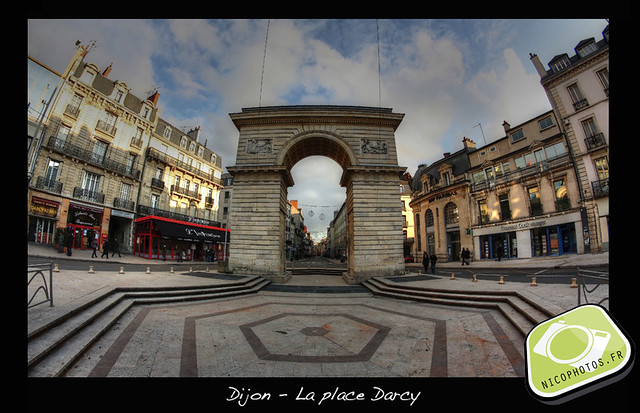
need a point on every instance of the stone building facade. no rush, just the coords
(440, 205)
(523, 194)
(578, 89)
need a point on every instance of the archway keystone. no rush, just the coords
(272, 140)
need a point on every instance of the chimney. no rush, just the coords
(468, 143)
(154, 98)
(107, 70)
(538, 64)
(294, 203)
(447, 154)
(506, 126)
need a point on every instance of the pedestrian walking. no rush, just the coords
(116, 249)
(466, 254)
(499, 252)
(164, 252)
(425, 262)
(105, 249)
(94, 246)
(433, 260)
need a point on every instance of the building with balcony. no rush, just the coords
(86, 161)
(523, 193)
(178, 201)
(578, 89)
(440, 205)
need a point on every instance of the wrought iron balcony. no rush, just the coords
(123, 203)
(144, 210)
(85, 194)
(49, 185)
(105, 127)
(595, 141)
(175, 189)
(77, 152)
(157, 183)
(600, 188)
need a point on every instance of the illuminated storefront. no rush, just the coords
(163, 238)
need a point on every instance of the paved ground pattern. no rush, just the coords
(292, 335)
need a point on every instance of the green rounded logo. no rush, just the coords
(576, 352)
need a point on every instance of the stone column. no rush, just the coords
(374, 223)
(257, 222)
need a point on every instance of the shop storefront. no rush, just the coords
(42, 220)
(540, 237)
(167, 239)
(85, 223)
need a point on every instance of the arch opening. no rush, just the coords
(316, 144)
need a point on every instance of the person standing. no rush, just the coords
(433, 260)
(425, 262)
(69, 242)
(499, 252)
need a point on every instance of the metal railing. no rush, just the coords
(596, 277)
(36, 273)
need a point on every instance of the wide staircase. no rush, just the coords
(521, 310)
(53, 348)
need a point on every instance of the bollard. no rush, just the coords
(55, 268)
(474, 279)
(171, 271)
(91, 269)
(121, 270)
(206, 269)
(453, 277)
(501, 280)
(190, 269)
(573, 283)
(148, 271)
(533, 282)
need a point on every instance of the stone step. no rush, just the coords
(317, 271)
(523, 312)
(55, 347)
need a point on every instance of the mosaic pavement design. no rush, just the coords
(275, 334)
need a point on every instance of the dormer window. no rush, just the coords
(119, 95)
(559, 63)
(586, 47)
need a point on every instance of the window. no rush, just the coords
(119, 95)
(602, 167)
(603, 75)
(589, 127)
(131, 161)
(587, 49)
(51, 173)
(87, 77)
(155, 201)
(192, 147)
(579, 101)
(200, 151)
(560, 64)
(90, 182)
(535, 205)
(557, 149)
(125, 192)
(167, 132)
(99, 151)
(517, 135)
(479, 177)
(61, 136)
(183, 142)
(451, 214)
(562, 197)
(545, 123)
(505, 209)
(428, 219)
(145, 112)
(446, 178)
(483, 210)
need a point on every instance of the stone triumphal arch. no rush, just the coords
(272, 140)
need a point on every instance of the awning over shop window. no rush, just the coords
(191, 232)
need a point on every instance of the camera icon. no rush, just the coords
(596, 344)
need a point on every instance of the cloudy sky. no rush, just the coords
(446, 76)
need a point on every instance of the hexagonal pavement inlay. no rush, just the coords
(314, 338)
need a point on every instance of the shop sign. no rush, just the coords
(82, 215)
(44, 207)
(443, 195)
(523, 225)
